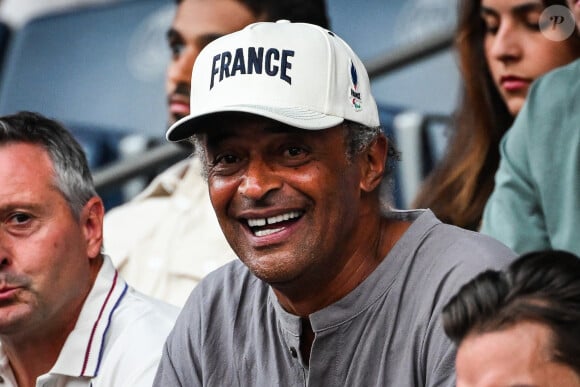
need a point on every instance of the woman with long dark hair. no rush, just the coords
(501, 51)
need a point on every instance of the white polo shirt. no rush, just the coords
(117, 340)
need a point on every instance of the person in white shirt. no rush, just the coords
(66, 316)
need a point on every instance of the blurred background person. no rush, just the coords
(520, 326)
(501, 52)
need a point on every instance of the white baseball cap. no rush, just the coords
(296, 73)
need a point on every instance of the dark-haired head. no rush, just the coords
(305, 11)
(541, 287)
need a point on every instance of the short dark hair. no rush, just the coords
(542, 287)
(305, 11)
(71, 171)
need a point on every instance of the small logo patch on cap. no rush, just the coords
(354, 94)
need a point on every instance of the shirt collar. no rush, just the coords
(83, 349)
(371, 289)
(6, 375)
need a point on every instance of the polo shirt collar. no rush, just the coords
(83, 349)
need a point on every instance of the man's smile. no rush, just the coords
(270, 225)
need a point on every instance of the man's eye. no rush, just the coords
(176, 49)
(295, 151)
(224, 165)
(19, 218)
(226, 159)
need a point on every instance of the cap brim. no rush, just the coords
(301, 118)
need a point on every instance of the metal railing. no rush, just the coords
(150, 160)
(403, 56)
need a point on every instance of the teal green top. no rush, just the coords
(536, 201)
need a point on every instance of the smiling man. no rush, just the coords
(332, 286)
(167, 255)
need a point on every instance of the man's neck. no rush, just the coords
(34, 356)
(304, 300)
(34, 351)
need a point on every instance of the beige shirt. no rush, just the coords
(167, 239)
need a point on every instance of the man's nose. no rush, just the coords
(259, 179)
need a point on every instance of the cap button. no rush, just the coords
(283, 21)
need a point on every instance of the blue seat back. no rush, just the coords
(99, 67)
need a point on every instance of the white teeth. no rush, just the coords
(261, 233)
(274, 219)
(256, 222)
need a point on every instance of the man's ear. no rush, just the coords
(373, 164)
(92, 225)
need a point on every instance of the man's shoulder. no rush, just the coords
(443, 258)
(436, 237)
(138, 316)
(446, 247)
(472, 246)
(126, 306)
(127, 330)
(149, 308)
(134, 343)
(137, 331)
(459, 256)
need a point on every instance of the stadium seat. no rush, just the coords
(100, 70)
(100, 66)
(422, 140)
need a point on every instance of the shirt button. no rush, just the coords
(293, 352)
